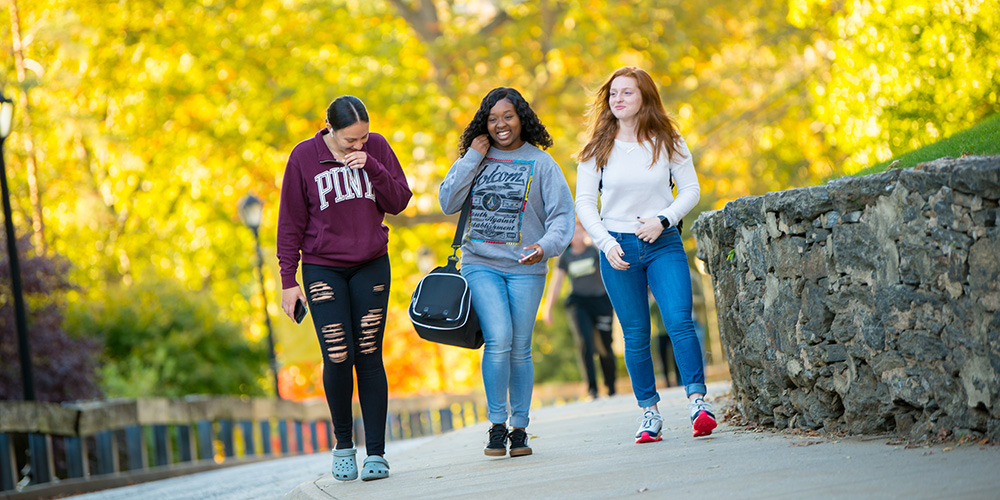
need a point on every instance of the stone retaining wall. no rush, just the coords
(867, 305)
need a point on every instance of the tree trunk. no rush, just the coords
(37, 224)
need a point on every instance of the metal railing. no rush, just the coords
(85, 446)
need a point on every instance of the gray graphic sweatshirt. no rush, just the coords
(519, 197)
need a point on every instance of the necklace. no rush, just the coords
(327, 140)
(631, 148)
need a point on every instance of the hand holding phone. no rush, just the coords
(300, 310)
(525, 258)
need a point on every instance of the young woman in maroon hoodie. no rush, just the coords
(337, 188)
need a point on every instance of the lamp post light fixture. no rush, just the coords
(24, 349)
(251, 209)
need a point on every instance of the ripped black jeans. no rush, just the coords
(348, 307)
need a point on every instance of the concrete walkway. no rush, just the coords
(587, 450)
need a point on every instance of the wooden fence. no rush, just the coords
(84, 446)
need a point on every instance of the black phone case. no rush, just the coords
(300, 311)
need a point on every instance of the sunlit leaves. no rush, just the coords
(153, 118)
(903, 73)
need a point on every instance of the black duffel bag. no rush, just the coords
(441, 307)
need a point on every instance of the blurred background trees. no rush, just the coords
(64, 363)
(141, 123)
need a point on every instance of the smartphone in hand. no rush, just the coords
(300, 310)
(524, 259)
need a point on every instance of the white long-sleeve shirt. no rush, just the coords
(631, 189)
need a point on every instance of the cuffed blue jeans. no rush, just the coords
(506, 305)
(662, 268)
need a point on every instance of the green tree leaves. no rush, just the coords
(901, 74)
(161, 339)
(150, 119)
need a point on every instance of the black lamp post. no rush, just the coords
(24, 349)
(251, 209)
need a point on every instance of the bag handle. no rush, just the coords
(460, 230)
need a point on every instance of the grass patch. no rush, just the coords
(982, 139)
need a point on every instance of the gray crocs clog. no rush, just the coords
(375, 467)
(345, 467)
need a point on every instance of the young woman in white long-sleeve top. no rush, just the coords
(632, 158)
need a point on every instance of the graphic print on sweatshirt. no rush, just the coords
(345, 183)
(498, 199)
(582, 267)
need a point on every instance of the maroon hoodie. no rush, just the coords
(332, 213)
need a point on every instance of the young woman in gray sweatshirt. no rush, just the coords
(521, 215)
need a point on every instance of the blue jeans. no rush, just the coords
(662, 267)
(506, 304)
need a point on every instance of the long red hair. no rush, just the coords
(654, 125)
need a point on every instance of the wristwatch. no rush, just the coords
(664, 221)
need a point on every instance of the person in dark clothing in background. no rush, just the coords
(588, 308)
(337, 188)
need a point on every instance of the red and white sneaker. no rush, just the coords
(702, 418)
(649, 431)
